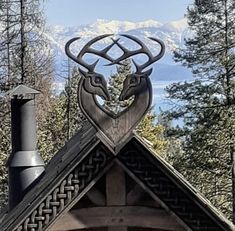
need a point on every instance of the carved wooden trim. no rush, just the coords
(116, 128)
(69, 189)
(148, 170)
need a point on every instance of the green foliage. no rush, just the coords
(206, 103)
(62, 121)
(5, 134)
(115, 87)
(58, 119)
(51, 134)
(149, 128)
(24, 53)
(74, 117)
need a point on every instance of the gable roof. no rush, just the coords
(57, 188)
(168, 186)
(84, 160)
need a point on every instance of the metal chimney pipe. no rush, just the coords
(24, 164)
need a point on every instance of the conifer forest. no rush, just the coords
(201, 147)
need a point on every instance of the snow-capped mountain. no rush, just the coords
(172, 33)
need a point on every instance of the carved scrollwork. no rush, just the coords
(115, 127)
(150, 172)
(67, 190)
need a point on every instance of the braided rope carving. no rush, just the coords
(164, 188)
(65, 191)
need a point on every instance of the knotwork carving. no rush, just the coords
(116, 127)
(150, 171)
(67, 190)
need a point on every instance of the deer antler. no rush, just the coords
(142, 50)
(88, 49)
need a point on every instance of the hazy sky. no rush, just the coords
(77, 12)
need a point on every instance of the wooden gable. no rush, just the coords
(87, 187)
(117, 202)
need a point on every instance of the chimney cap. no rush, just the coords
(22, 90)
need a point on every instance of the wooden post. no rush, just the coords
(116, 192)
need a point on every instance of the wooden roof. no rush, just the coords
(84, 160)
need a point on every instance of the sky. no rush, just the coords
(82, 12)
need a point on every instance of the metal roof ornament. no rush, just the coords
(116, 128)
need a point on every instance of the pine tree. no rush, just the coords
(154, 132)
(5, 134)
(74, 117)
(207, 102)
(64, 119)
(149, 128)
(115, 87)
(25, 54)
(24, 58)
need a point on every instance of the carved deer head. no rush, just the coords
(137, 81)
(115, 127)
(94, 83)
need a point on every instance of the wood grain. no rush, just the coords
(115, 127)
(117, 217)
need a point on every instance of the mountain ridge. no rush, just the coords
(171, 33)
(102, 26)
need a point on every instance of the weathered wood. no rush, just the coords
(116, 128)
(117, 228)
(154, 196)
(116, 191)
(96, 197)
(134, 195)
(118, 218)
(116, 186)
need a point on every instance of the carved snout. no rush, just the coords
(130, 91)
(123, 96)
(95, 84)
(106, 95)
(99, 89)
(133, 85)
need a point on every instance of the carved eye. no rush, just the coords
(133, 80)
(98, 79)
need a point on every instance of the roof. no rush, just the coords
(76, 148)
(84, 160)
(22, 90)
(174, 191)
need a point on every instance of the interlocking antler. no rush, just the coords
(142, 50)
(88, 49)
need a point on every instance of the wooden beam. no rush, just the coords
(134, 195)
(116, 217)
(116, 191)
(154, 196)
(116, 186)
(117, 228)
(96, 197)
